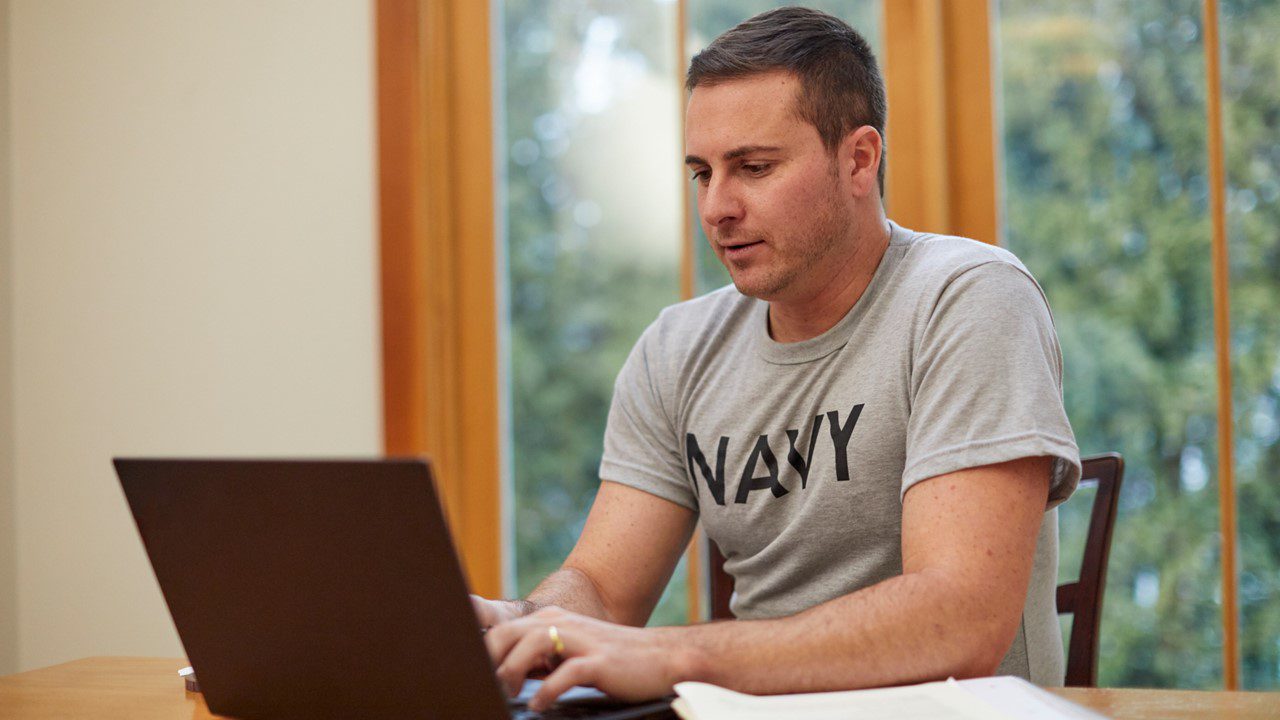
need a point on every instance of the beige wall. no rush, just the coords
(193, 272)
(8, 581)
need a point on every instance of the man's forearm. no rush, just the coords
(911, 628)
(571, 589)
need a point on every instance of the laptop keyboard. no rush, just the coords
(615, 712)
(559, 712)
(581, 702)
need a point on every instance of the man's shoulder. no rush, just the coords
(705, 313)
(942, 258)
(689, 333)
(942, 269)
(691, 328)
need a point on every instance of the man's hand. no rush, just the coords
(494, 612)
(627, 663)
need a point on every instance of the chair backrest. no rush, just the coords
(1083, 598)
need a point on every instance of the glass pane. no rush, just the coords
(1250, 78)
(592, 232)
(1106, 201)
(709, 18)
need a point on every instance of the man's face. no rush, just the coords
(769, 194)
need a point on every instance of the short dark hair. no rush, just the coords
(841, 85)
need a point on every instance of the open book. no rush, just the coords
(993, 698)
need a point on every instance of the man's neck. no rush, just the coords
(796, 320)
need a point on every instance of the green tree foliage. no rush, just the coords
(576, 303)
(1107, 202)
(1251, 77)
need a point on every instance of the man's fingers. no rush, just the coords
(574, 671)
(502, 637)
(528, 652)
(483, 612)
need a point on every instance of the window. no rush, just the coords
(1250, 76)
(1107, 197)
(592, 242)
(1108, 201)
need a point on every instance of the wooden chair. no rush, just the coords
(1082, 598)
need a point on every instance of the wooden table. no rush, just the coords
(106, 688)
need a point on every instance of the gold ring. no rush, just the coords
(556, 643)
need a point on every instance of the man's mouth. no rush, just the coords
(739, 247)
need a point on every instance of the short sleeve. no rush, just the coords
(986, 381)
(641, 447)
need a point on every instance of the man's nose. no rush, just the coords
(719, 203)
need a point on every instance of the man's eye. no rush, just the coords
(701, 176)
(756, 168)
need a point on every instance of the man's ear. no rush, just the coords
(859, 155)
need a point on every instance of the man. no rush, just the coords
(868, 422)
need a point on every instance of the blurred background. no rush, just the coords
(189, 263)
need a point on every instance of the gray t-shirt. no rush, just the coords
(797, 455)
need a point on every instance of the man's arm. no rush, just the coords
(968, 542)
(618, 568)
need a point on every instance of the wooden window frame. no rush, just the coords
(941, 144)
(438, 234)
(438, 262)
(1222, 347)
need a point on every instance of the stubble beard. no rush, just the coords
(808, 249)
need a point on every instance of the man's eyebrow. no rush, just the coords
(734, 154)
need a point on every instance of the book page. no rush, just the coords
(930, 701)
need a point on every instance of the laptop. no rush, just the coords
(323, 589)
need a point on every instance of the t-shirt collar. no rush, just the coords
(837, 336)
